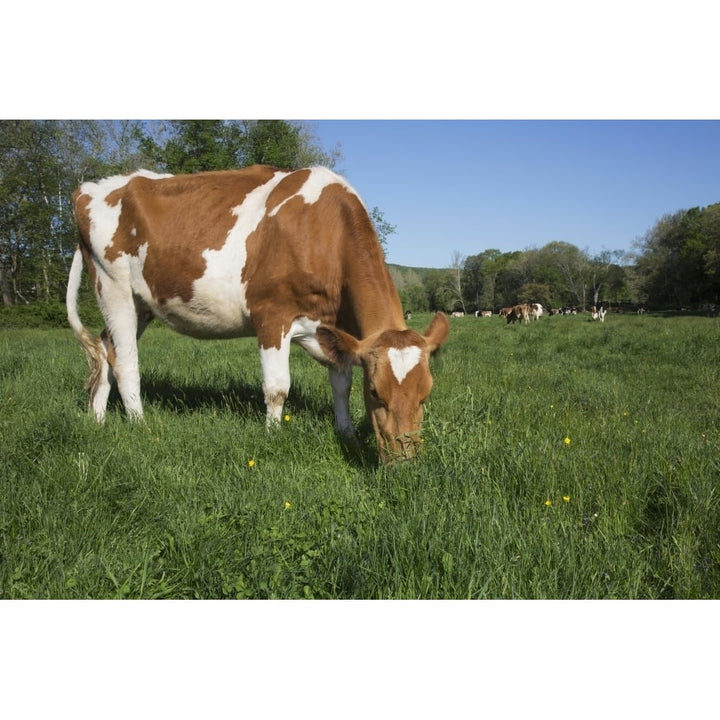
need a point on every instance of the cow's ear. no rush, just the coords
(437, 331)
(340, 348)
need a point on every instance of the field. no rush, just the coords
(562, 459)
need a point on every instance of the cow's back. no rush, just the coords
(209, 252)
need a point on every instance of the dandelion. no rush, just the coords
(548, 503)
(287, 418)
(567, 440)
(251, 463)
(287, 505)
(566, 498)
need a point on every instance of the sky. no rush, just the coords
(465, 186)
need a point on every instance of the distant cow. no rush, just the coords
(458, 314)
(519, 312)
(598, 313)
(284, 256)
(536, 310)
(483, 313)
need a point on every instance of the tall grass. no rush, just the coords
(563, 459)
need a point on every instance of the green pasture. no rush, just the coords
(561, 459)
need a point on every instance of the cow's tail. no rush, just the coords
(92, 345)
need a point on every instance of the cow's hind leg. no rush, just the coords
(122, 356)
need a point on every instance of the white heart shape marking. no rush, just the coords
(404, 360)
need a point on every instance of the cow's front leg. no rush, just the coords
(275, 363)
(340, 382)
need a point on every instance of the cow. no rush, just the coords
(598, 313)
(457, 314)
(483, 313)
(536, 310)
(519, 312)
(285, 256)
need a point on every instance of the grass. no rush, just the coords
(563, 459)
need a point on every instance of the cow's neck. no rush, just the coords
(370, 303)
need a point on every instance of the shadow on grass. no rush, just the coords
(173, 395)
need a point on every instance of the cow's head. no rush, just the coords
(396, 382)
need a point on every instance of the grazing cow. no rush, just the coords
(504, 312)
(458, 314)
(536, 310)
(283, 256)
(598, 313)
(483, 313)
(519, 312)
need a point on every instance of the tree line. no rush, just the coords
(675, 265)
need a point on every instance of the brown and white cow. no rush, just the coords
(536, 310)
(519, 312)
(284, 256)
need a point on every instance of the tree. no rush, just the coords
(188, 146)
(194, 145)
(677, 262)
(382, 227)
(602, 270)
(272, 142)
(454, 285)
(35, 218)
(572, 266)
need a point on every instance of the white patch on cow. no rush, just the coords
(219, 305)
(402, 361)
(104, 218)
(318, 180)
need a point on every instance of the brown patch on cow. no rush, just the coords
(294, 268)
(286, 188)
(171, 215)
(320, 260)
(81, 203)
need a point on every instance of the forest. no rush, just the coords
(674, 266)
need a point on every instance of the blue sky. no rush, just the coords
(469, 185)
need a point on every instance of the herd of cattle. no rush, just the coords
(524, 312)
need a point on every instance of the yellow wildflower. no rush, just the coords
(567, 440)
(548, 503)
(287, 418)
(566, 498)
(287, 505)
(251, 463)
